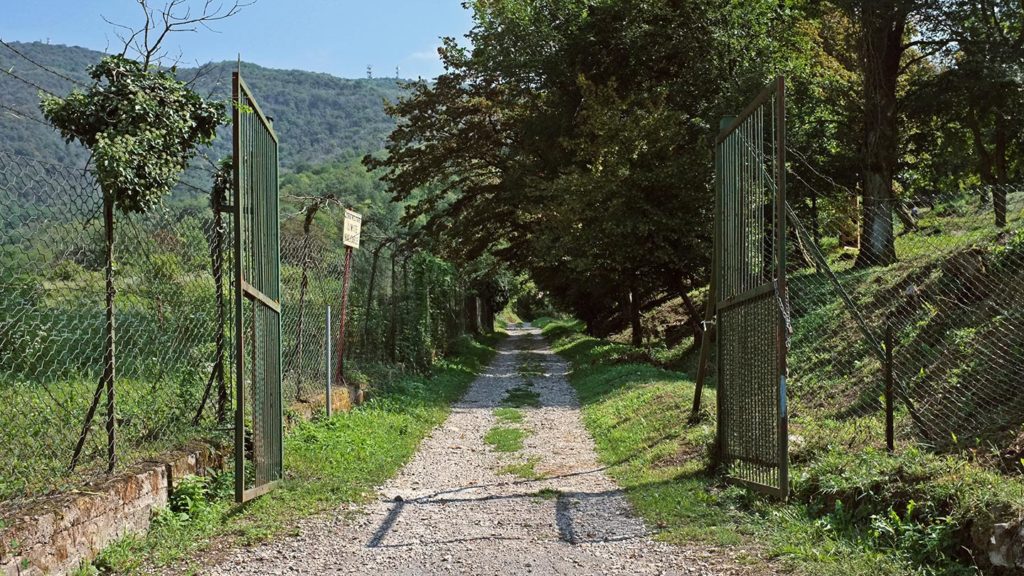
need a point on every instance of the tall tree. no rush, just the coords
(572, 142)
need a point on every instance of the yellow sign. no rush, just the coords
(353, 224)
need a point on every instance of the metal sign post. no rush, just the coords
(327, 342)
(350, 237)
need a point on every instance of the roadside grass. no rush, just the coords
(511, 415)
(327, 462)
(505, 438)
(507, 316)
(852, 511)
(526, 470)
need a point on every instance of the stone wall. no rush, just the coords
(56, 535)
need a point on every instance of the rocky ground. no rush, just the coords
(452, 510)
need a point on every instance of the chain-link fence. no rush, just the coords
(173, 306)
(938, 274)
(53, 328)
(405, 305)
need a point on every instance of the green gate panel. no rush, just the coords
(259, 428)
(750, 294)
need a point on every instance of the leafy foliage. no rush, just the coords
(141, 126)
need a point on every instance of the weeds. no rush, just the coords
(505, 439)
(521, 396)
(510, 415)
(526, 470)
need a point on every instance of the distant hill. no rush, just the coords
(318, 117)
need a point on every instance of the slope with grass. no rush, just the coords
(852, 512)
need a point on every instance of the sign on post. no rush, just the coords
(350, 237)
(353, 225)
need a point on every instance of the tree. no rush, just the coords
(142, 126)
(571, 142)
(982, 85)
(896, 39)
(882, 30)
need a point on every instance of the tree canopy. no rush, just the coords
(571, 139)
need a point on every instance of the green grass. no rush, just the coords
(507, 316)
(530, 365)
(852, 512)
(327, 462)
(521, 396)
(511, 415)
(548, 493)
(505, 438)
(526, 470)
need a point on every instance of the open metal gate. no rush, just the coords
(258, 410)
(749, 291)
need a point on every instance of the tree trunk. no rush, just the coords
(882, 26)
(339, 373)
(991, 163)
(303, 285)
(217, 373)
(110, 357)
(392, 340)
(107, 379)
(471, 314)
(218, 282)
(369, 294)
(999, 161)
(635, 324)
(694, 320)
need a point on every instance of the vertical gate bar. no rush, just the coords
(279, 392)
(780, 226)
(239, 330)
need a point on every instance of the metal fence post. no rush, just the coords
(327, 342)
(890, 440)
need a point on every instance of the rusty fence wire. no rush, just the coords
(942, 277)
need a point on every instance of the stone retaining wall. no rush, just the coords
(58, 534)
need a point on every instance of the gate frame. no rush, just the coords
(245, 291)
(779, 286)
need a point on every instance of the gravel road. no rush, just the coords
(452, 511)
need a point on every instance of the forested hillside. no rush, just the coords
(318, 117)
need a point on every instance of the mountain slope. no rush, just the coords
(318, 117)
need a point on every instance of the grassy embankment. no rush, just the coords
(327, 462)
(852, 511)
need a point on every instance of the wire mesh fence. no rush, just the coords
(174, 291)
(405, 306)
(52, 327)
(944, 282)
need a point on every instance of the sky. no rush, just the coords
(340, 37)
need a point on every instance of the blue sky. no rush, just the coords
(341, 37)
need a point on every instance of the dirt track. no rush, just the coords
(450, 510)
